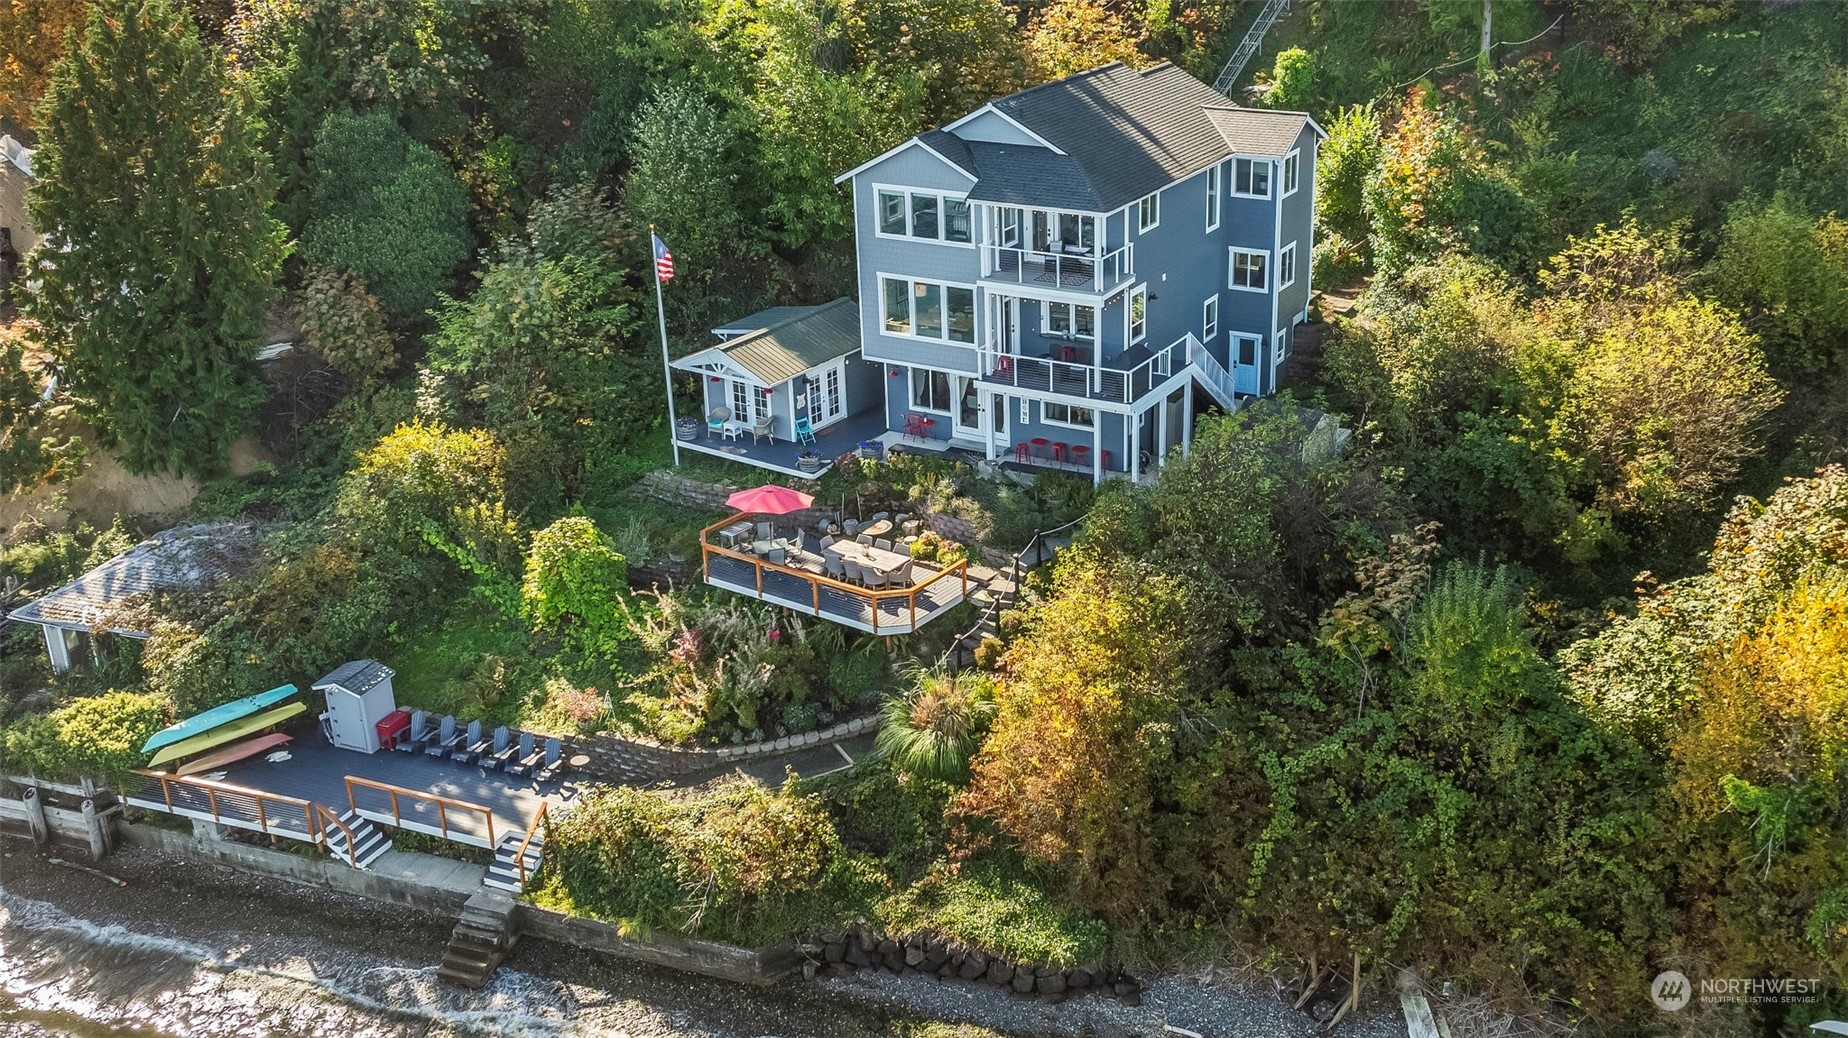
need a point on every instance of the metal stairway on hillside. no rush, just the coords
(1248, 48)
(510, 855)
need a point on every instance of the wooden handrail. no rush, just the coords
(328, 814)
(442, 803)
(212, 789)
(519, 856)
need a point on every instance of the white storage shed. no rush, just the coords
(359, 696)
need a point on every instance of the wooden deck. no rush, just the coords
(317, 772)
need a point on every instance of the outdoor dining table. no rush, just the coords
(878, 529)
(866, 555)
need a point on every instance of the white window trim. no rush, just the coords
(1294, 162)
(1231, 257)
(1044, 420)
(1046, 306)
(1290, 251)
(1279, 350)
(1257, 352)
(1144, 228)
(1209, 318)
(1214, 175)
(911, 393)
(942, 196)
(1268, 180)
(1130, 335)
(881, 278)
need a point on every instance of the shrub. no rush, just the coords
(931, 730)
(345, 324)
(98, 736)
(575, 586)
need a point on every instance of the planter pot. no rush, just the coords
(686, 429)
(809, 464)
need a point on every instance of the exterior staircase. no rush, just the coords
(1212, 374)
(483, 936)
(370, 841)
(1248, 48)
(503, 874)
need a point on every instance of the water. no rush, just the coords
(185, 952)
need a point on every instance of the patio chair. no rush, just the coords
(419, 733)
(850, 526)
(716, 419)
(879, 517)
(778, 554)
(762, 427)
(864, 538)
(825, 541)
(472, 745)
(883, 544)
(499, 750)
(875, 580)
(902, 575)
(852, 570)
(446, 738)
(766, 531)
(522, 760)
(554, 762)
(836, 568)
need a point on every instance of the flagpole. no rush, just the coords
(667, 369)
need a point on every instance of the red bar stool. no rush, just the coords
(1068, 353)
(1058, 450)
(1079, 451)
(924, 428)
(1004, 365)
(913, 422)
(1104, 457)
(1022, 452)
(1040, 443)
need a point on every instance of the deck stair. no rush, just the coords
(502, 875)
(483, 936)
(371, 841)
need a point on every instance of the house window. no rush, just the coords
(927, 309)
(1209, 318)
(1212, 197)
(1010, 227)
(1249, 271)
(1291, 163)
(1281, 349)
(928, 215)
(1080, 322)
(1138, 315)
(1066, 414)
(1251, 177)
(1286, 266)
(930, 390)
(1148, 212)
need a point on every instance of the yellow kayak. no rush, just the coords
(225, 733)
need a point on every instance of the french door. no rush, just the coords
(827, 399)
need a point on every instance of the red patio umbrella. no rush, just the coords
(770, 500)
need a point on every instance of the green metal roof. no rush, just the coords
(794, 345)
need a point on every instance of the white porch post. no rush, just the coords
(1161, 456)
(1187, 419)
(56, 648)
(989, 402)
(1097, 449)
(1135, 445)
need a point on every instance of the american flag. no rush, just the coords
(664, 260)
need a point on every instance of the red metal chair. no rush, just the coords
(1058, 450)
(1104, 456)
(924, 428)
(1022, 452)
(914, 423)
(1004, 365)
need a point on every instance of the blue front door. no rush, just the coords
(1247, 351)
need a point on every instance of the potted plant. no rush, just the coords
(687, 428)
(808, 459)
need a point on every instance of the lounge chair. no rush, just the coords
(418, 735)
(498, 750)
(554, 762)
(716, 419)
(473, 745)
(523, 760)
(762, 427)
(447, 738)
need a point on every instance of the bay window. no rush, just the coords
(929, 215)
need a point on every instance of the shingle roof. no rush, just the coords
(1258, 131)
(782, 351)
(356, 676)
(1125, 133)
(185, 556)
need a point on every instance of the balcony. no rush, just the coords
(1066, 369)
(1071, 268)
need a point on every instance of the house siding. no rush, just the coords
(931, 261)
(989, 126)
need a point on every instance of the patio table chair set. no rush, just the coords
(513, 752)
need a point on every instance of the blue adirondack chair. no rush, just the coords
(804, 434)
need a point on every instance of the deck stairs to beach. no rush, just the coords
(483, 936)
(503, 874)
(370, 841)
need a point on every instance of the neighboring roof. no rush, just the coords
(1259, 131)
(16, 153)
(783, 350)
(1123, 133)
(760, 320)
(356, 676)
(183, 557)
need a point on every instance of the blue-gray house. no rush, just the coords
(1052, 277)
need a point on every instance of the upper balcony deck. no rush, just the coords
(1069, 269)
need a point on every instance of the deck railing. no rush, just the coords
(325, 817)
(443, 806)
(1078, 271)
(1105, 381)
(519, 856)
(248, 806)
(877, 600)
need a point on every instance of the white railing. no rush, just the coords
(1078, 271)
(1218, 379)
(1106, 381)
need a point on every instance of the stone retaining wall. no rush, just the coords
(676, 489)
(616, 758)
(760, 966)
(860, 948)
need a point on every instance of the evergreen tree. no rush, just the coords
(162, 257)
